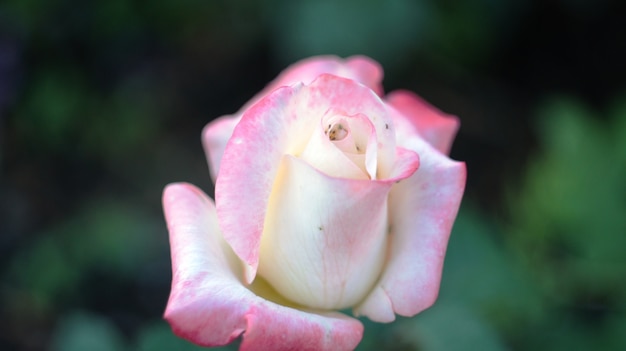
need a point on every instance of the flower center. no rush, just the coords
(336, 131)
(343, 146)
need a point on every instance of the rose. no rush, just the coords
(327, 197)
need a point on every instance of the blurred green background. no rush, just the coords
(102, 104)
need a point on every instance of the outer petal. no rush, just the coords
(359, 68)
(326, 238)
(215, 135)
(433, 125)
(211, 307)
(327, 157)
(422, 210)
(281, 124)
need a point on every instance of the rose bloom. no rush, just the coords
(328, 196)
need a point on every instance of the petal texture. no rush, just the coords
(422, 210)
(433, 125)
(248, 170)
(359, 68)
(215, 136)
(325, 238)
(330, 158)
(282, 124)
(209, 305)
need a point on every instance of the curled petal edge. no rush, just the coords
(432, 195)
(359, 68)
(435, 126)
(215, 136)
(210, 306)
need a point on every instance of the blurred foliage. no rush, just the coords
(159, 337)
(434, 331)
(378, 21)
(481, 291)
(569, 224)
(576, 191)
(102, 104)
(82, 331)
(65, 114)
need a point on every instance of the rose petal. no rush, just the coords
(281, 124)
(328, 157)
(433, 125)
(364, 136)
(355, 99)
(422, 210)
(215, 135)
(359, 68)
(248, 169)
(209, 305)
(329, 250)
(377, 306)
(343, 146)
(365, 71)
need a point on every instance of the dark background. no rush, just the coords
(102, 104)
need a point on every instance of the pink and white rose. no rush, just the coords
(327, 196)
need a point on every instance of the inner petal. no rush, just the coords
(329, 250)
(333, 150)
(337, 132)
(356, 137)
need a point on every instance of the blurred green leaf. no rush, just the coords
(45, 271)
(569, 215)
(449, 327)
(115, 236)
(618, 114)
(568, 224)
(107, 235)
(379, 336)
(81, 331)
(481, 274)
(565, 332)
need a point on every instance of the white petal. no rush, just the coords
(325, 238)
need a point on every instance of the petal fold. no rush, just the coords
(215, 136)
(210, 306)
(330, 158)
(325, 238)
(436, 127)
(422, 210)
(361, 69)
